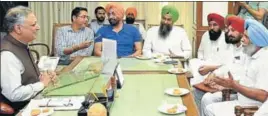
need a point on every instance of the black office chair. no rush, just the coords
(37, 55)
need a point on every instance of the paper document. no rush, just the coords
(48, 63)
(109, 49)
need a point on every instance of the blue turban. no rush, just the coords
(257, 33)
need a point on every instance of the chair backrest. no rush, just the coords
(56, 26)
(152, 25)
(36, 56)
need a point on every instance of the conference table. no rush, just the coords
(143, 90)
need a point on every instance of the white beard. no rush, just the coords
(249, 49)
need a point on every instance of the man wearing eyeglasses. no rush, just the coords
(76, 39)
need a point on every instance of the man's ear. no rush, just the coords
(73, 17)
(17, 29)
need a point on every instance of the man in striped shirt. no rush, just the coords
(76, 39)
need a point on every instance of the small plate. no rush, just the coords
(143, 58)
(176, 91)
(42, 113)
(178, 108)
(176, 71)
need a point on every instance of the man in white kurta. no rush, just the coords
(212, 52)
(253, 88)
(236, 66)
(166, 38)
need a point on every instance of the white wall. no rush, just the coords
(214, 7)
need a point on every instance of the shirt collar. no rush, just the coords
(259, 53)
(70, 29)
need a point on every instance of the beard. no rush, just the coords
(250, 49)
(113, 22)
(164, 30)
(130, 20)
(100, 19)
(213, 35)
(231, 39)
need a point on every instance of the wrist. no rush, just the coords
(234, 86)
(75, 47)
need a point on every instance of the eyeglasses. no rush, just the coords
(84, 16)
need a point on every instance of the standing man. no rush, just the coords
(20, 77)
(131, 15)
(127, 36)
(172, 39)
(251, 10)
(100, 16)
(76, 39)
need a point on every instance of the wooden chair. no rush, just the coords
(5, 109)
(239, 110)
(56, 26)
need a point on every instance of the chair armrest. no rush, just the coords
(226, 94)
(249, 110)
(42, 44)
(37, 55)
(6, 109)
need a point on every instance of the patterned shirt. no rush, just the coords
(66, 38)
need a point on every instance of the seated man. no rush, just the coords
(166, 38)
(213, 50)
(131, 15)
(100, 16)
(262, 110)
(20, 77)
(252, 89)
(233, 37)
(127, 37)
(76, 39)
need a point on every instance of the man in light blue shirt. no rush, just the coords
(251, 10)
(100, 19)
(76, 39)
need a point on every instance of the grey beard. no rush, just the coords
(250, 49)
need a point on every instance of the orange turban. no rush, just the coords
(117, 8)
(217, 18)
(132, 10)
(237, 23)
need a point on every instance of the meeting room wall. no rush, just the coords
(59, 12)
